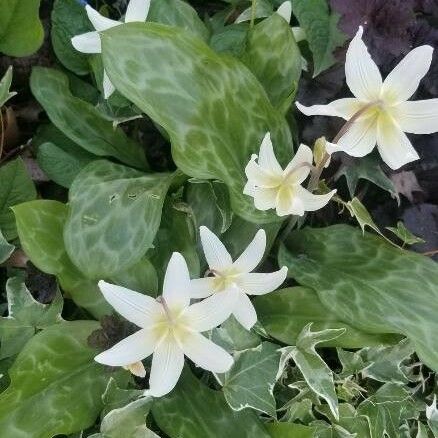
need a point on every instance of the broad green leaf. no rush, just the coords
(193, 410)
(277, 70)
(286, 312)
(5, 85)
(263, 8)
(69, 19)
(177, 13)
(230, 39)
(15, 187)
(315, 371)
(56, 386)
(422, 431)
(115, 212)
(6, 249)
(21, 31)
(115, 397)
(214, 110)
(80, 121)
(25, 317)
(40, 229)
(250, 381)
(369, 284)
(321, 31)
(404, 234)
(289, 430)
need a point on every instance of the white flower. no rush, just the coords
(170, 329)
(89, 42)
(387, 113)
(229, 276)
(273, 187)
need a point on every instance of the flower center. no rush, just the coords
(224, 279)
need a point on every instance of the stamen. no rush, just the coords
(161, 300)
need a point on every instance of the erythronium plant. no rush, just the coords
(229, 277)
(380, 110)
(89, 42)
(271, 186)
(170, 329)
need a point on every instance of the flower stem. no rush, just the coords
(253, 13)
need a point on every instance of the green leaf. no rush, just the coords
(286, 312)
(81, 121)
(289, 430)
(69, 19)
(277, 70)
(115, 397)
(56, 386)
(369, 284)
(214, 110)
(40, 228)
(21, 31)
(6, 249)
(16, 186)
(250, 381)
(193, 410)
(404, 234)
(5, 85)
(432, 416)
(321, 31)
(25, 317)
(315, 371)
(115, 212)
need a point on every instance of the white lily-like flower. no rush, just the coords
(386, 114)
(230, 277)
(170, 329)
(89, 42)
(273, 187)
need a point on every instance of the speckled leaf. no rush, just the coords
(214, 110)
(6, 249)
(369, 284)
(289, 430)
(277, 70)
(192, 410)
(40, 229)
(56, 386)
(81, 121)
(250, 381)
(115, 212)
(286, 312)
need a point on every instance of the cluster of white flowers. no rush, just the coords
(171, 326)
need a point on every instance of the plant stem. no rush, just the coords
(253, 13)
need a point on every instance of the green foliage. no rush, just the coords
(6, 249)
(5, 85)
(21, 31)
(404, 234)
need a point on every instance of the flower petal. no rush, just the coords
(253, 253)
(259, 176)
(176, 284)
(313, 202)
(137, 369)
(206, 354)
(287, 203)
(167, 365)
(299, 167)
(361, 72)
(249, 189)
(267, 159)
(202, 287)
(245, 312)
(133, 306)
(394, 147)
(262, 283)
(344, 108)
(88, 42)
(100, 22)
(108, 87)
(137, 10)
(132, 349)
(285, 10)
(403, 81)
(419, 117)
(264, 199)
(217, 256)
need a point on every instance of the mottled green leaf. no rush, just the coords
(21, 31)
(25, 317)
(230, 39)
(6, 249)
(404, 234)
(432, 416)
(369, 284)
(289, 430)
(115, 212)
(193, 410)
(56, 386)
(80, 121)
(214, 110)
(15, 187)
(250, 381)
(5, 85)
(286, 312)
(40, 228)
(115, 397)
(277, 70)
(321, 31)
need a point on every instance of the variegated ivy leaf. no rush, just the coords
(115, 212)
(6, 249)
(214, 110)
(250, 381)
